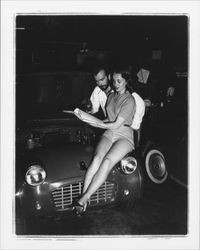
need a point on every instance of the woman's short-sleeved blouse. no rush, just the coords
(122, 105)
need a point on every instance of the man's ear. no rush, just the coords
(109, 77)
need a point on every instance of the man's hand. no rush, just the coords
(86, 105)
(147, 102)
(170, 91)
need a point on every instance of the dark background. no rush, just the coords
(77, 42)
(50, 45)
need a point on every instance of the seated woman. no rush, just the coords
(116, 141)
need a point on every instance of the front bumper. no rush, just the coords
(50, 199)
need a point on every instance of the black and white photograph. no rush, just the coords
(68, 62)
(101, 126)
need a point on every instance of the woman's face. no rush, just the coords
(119, 82)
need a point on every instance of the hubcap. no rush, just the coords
(155, 166)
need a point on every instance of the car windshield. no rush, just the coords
(45, 95)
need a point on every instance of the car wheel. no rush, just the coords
(155, 165)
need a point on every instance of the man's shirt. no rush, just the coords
(98, 99)
(139, 112)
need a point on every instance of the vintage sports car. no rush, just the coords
(53, 150)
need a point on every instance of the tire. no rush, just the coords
(155, 165)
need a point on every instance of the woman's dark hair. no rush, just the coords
(127, 76)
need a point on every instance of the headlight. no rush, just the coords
(35, 175)
(128, 165)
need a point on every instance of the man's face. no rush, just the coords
(101, 80)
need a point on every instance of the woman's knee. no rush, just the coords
(98, 157)
(118, 151)
(107, 162)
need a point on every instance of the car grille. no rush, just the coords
(64, 196)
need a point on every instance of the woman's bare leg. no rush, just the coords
(114, 155)
(101, 150)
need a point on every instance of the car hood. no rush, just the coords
(64, 162)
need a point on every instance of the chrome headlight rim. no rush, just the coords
(128, 165)
(35, 175)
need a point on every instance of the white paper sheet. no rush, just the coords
(85, 117)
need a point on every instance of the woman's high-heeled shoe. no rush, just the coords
(78, 208)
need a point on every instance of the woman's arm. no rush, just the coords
(108, 125)
(115, 124)
(105, 120)
(95, 122)
(90, 119)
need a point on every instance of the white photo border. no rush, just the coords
(9, 9)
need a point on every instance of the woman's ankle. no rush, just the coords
(83, 201)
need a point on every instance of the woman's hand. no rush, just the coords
(77, 112)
